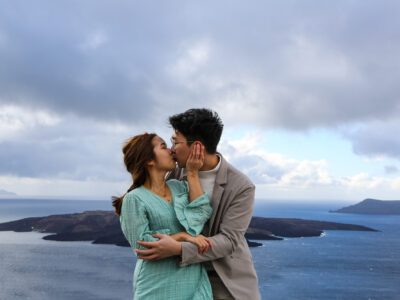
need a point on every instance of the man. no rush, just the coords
(229, 264)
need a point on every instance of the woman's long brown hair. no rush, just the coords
(138, 151)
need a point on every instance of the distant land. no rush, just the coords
(103, 227)
(372, 207)
(4, 193)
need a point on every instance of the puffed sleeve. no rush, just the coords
(192, 215)
(134, 222)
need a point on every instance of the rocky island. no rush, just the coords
(103, 227)
(372, 207)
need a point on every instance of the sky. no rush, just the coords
(308, 92)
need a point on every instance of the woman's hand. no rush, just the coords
(202, 242)
(196, 158)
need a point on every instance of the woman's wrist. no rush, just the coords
(192, 173)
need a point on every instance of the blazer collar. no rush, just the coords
(220, 181)
(221, 177)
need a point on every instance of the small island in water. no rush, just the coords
(372, 207)
(103, 227)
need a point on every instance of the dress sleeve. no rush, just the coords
(192, 215)
(135, 223)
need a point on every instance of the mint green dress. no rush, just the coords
(144, 213)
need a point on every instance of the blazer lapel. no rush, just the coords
(220, 181)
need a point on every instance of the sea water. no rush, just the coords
(338, 265)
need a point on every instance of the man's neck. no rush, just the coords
(210, 162)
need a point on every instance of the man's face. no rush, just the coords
(180, 149)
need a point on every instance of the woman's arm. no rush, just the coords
(201, 241)
(134, 222)
(193, 164)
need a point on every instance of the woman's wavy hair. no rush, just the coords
(138, 151)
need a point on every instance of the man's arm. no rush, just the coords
(232, 228)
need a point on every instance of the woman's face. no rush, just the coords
(163, 157)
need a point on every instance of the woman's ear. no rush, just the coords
(150, 163)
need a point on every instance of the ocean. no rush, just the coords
(338, 265)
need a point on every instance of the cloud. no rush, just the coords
(14, 119)
(278, 176)
(377, 139)
(41, 145)
(273, 168)
(77, 78)
(94, 41)
(66, 188)
(327, 66)
(391, 169)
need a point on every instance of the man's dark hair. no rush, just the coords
(199, 124)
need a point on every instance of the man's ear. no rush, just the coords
(194, 144)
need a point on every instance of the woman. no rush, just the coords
(176, 208)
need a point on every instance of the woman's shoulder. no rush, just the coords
(133, 196)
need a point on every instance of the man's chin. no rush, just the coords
(181, 165)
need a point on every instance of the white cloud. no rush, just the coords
(277, 176)
(94, 41)
(192, 57)
(46, 187)
(274, 169)
(17, 119)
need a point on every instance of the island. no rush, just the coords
(103, 227)
(372, 207)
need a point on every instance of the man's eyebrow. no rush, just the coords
(163, 143)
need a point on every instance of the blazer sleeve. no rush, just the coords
(233, 226)
(135, 223)
(192, 215)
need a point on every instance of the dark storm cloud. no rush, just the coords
(291, 64)
(75, 57)
(376, 139)
(287, 64)
(72, 149)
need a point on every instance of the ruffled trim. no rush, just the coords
(192, 215)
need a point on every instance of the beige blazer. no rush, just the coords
(233, 204)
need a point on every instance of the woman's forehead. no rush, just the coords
(158, 141)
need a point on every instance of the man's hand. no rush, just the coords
(166, 246)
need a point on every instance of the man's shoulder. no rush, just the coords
(236, 177)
